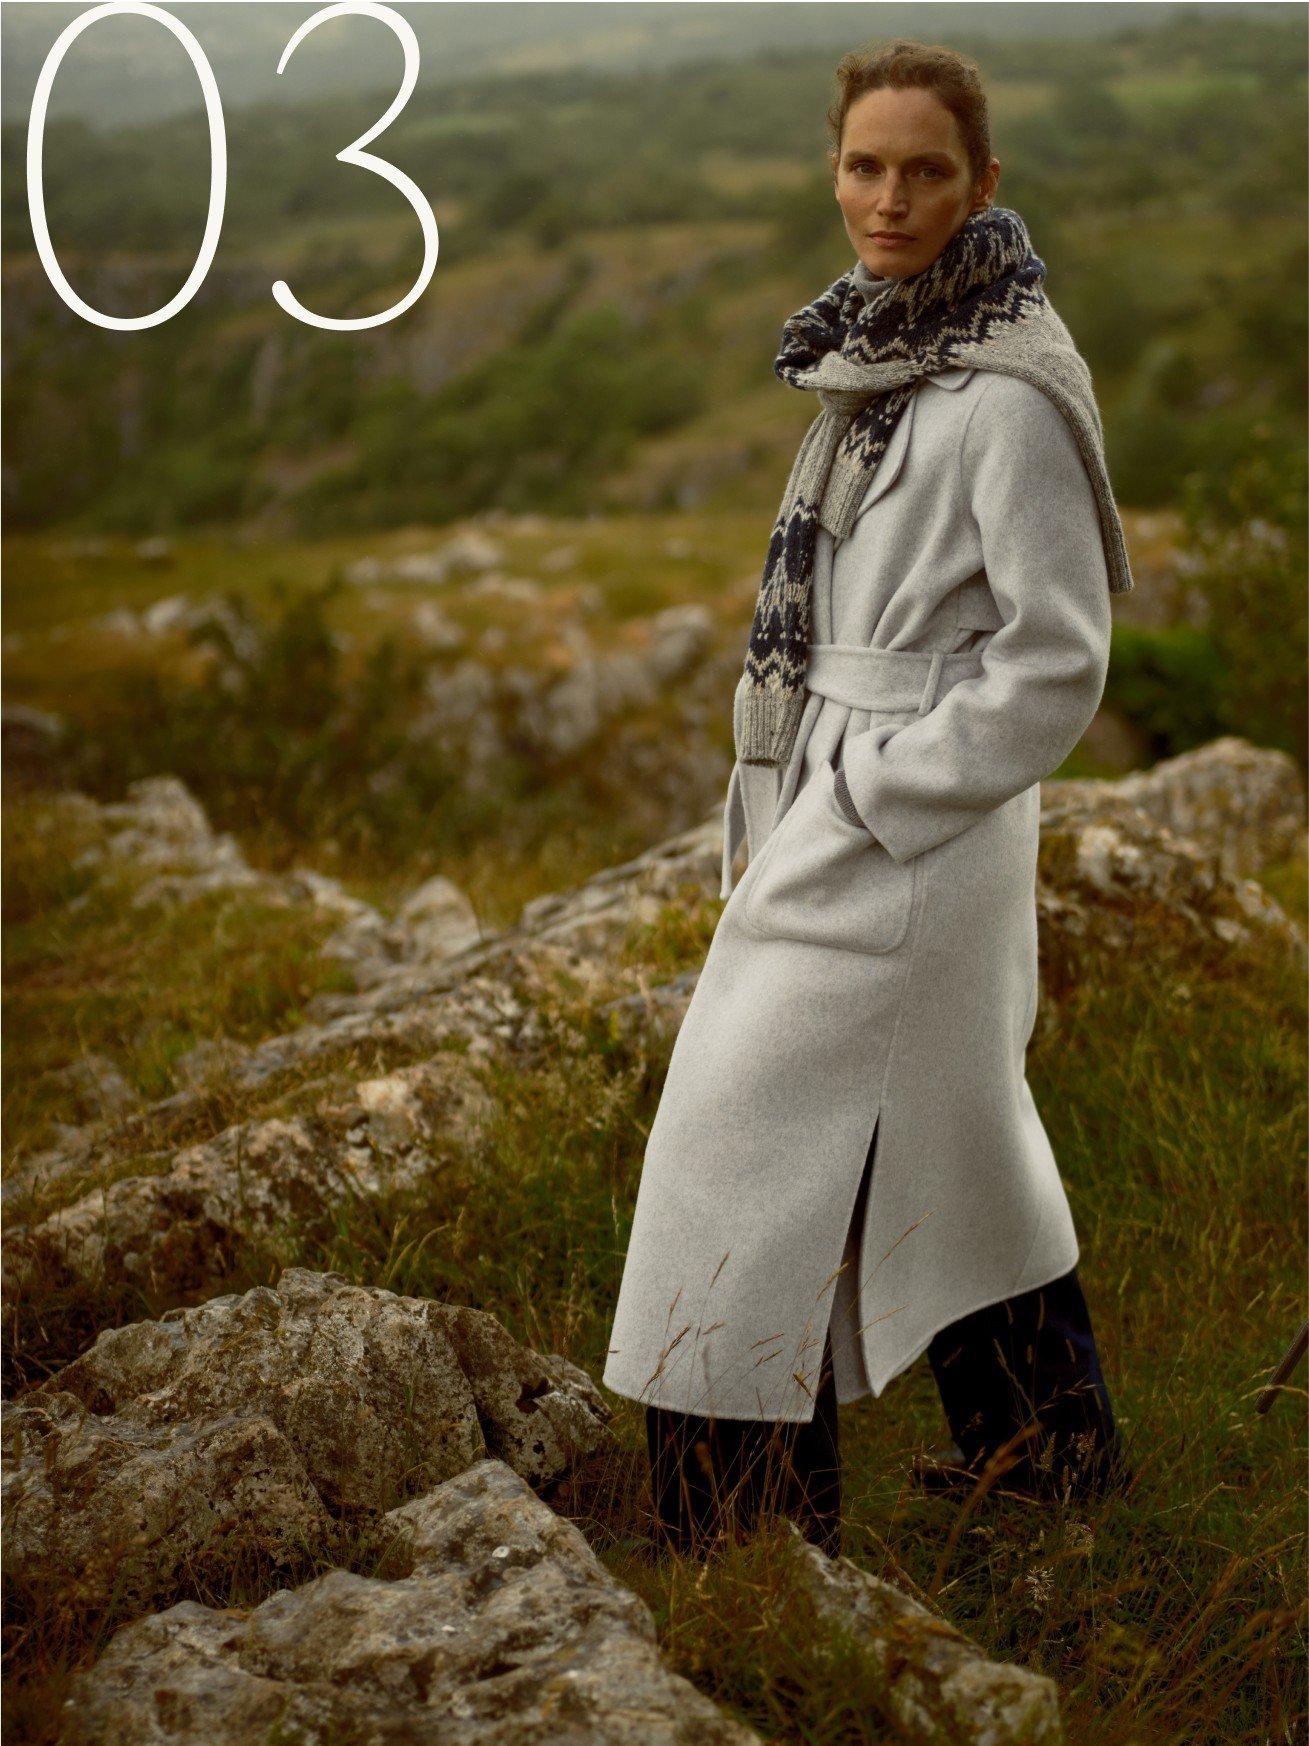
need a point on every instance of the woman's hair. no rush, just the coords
(904, 64)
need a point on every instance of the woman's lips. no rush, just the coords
(891, 242)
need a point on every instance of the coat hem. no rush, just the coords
(874, 1390)
(878, 1389)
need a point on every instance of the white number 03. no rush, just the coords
(354, 153)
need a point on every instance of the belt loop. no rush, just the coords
(933, 679)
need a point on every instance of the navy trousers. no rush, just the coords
(710, 1476)
(1020, 1379)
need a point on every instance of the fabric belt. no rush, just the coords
(886, 680)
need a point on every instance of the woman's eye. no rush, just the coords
(928, 169)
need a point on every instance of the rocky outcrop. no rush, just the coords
(478, 714)
(1241, 804)
(493, 1622)
(278, 1429)
(101, 1509)
(933, 1682)
(459, 1015)
(472, 549)
(178, 1227)
(1109, 868)
(268, 1425)
(573, 712)
(174, 615)
(1174, 843)
(482, 712)
(432, 923)
(161, 832)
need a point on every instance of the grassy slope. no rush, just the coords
(1173, 1090)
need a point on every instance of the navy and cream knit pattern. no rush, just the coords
(863, 346)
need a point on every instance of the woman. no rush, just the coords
(931, 638)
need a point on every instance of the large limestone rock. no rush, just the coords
(180, 1226)
(267, 1423)
(105, 1506)
(1175, 843)
(934, 1682)
(499, 1626)
(1242, 804)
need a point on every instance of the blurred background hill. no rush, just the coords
(209, 523)
(623, 228)
(135, 73)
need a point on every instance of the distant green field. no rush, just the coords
(697, 203)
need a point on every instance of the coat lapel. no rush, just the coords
(888, 468)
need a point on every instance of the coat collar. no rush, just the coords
(888, 468)
(952, 378)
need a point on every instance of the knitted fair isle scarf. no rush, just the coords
(863, 347)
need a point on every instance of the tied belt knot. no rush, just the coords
(886, 681)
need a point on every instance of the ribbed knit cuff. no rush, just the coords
(768, 725)
(841, 789)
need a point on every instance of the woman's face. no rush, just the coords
(902, 168)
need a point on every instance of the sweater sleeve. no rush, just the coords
(917, 784)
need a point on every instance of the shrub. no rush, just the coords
(1248, 528)
(1168, 684)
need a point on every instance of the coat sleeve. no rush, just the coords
(1022, 478)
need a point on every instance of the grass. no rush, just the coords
(1173, 1092)
(1175, 1614)
(1172, 1087)
(89, 975)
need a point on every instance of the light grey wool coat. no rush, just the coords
(888, 981)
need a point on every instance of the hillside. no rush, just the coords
(366, 731)
(618, 253)
(134, 72)
(466, 1130)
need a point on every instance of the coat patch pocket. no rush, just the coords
(824, 881)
